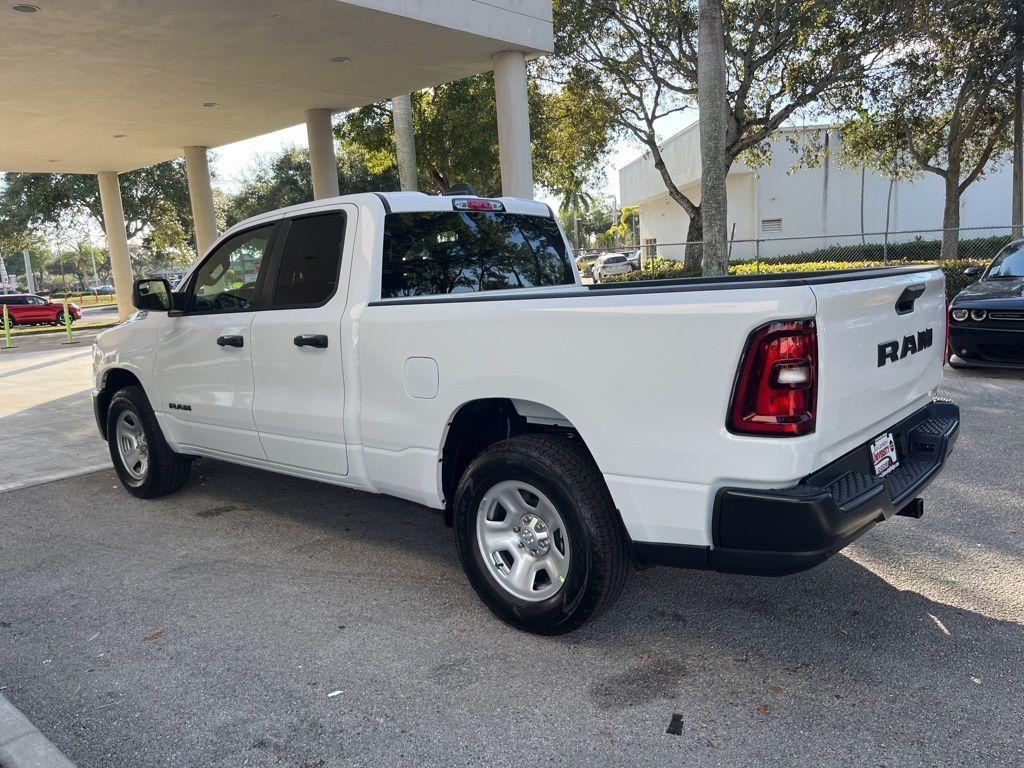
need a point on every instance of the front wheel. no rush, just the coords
(60, 319)
(538, 534)
(144, 462)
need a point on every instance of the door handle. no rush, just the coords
(905, 303)
(230, 341)
(317, 340)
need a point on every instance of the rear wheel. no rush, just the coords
(144, 462)
(538, 534)
(11, 322)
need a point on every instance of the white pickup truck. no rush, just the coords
(443, 350)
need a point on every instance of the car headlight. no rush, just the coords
(978, 315)
(960, 315)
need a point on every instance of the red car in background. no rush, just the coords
(28, 309)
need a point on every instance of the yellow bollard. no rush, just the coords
(67, 321)
(7, 329)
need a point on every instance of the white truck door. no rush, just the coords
(297, 350)
(204, 356)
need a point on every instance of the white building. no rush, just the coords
(781, 201)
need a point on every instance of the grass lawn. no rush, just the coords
(88, 300)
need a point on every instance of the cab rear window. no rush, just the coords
(433, 253)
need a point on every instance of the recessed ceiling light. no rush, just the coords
(53, 161)
(120, 135)
(210, 104)
(25, 8)
(338, 60)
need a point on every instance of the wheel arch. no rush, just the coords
(477, 424)
(111, 381)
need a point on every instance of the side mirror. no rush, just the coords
(973, 271)
(152, 294)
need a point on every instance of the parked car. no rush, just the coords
(585, 262)
(29, 309)
(442, 350)
(610, 264)
(633, 257)
(102, 290)
(987, 318)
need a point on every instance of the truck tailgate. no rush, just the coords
(876, 359)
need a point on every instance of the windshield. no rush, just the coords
(615, 260)
(1009, 263)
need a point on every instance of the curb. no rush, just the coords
(22, 745)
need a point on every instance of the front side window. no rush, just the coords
(1009, 263)
(226, 281)
(311, 261)
(427, 254)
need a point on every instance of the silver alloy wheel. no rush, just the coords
(131, 445)
(523, 540)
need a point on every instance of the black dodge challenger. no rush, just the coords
(986, 325)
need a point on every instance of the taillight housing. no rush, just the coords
(777, 385)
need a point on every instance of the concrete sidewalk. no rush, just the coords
(22, 745)
(45, 411)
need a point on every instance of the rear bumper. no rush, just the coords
(777, 532)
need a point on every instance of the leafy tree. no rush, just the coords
(575, 199)
(944, 105)
(638, 60)
(155, 200)
(284, 179)
(457, 135)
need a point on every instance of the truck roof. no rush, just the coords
(393, 202)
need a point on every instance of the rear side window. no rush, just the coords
(427, 254)
(311, 261)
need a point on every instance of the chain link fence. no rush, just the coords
(974, 246)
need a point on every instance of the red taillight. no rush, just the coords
(477, 204)
(776, 389)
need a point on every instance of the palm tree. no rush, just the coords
(575, 200)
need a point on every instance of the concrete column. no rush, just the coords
(405, 141)
(117, 241)
(204, 217)
(513, 124)
(323, 165)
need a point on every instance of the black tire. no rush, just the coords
(11, 322)
(59, 320)
(167, 471)
(564, 471)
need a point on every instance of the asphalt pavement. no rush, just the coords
(255, 619)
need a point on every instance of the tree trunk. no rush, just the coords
(862, 240)
(1017, 214)
(405, 141)
(951, 218)
(693, 258)
(711, 101)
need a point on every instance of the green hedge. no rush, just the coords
(660, 269)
